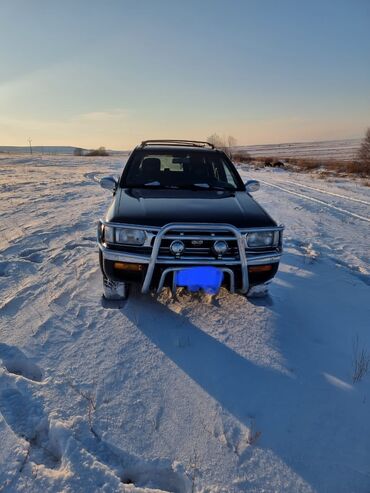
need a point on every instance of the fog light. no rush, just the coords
(128, 266)
(220, 247)
(177, 247)
(260, 268)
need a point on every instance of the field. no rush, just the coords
(342, 150)
(194, 395)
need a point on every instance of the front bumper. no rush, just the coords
(235, 268)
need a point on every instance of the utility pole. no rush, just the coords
(30, 143)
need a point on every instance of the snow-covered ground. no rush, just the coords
(328, 149)
(194, 395)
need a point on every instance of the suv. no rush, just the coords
(182, 216)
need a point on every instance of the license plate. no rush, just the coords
(195, 278)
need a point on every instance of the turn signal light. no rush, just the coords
(260, 268)
(128, 266)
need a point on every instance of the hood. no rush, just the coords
(153, 207)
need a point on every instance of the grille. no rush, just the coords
(198, 249)
(193, 247)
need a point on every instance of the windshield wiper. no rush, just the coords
(228, 189)
(153, 184)
(206, 186)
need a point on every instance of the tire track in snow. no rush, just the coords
(322, 202)
(324, 191)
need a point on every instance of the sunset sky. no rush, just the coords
(114, 72)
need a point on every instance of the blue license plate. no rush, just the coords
(195, 278)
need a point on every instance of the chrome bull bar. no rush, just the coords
(162, 233)
(183, 227)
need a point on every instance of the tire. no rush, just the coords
(114, 291)
(101, 261)
(258, 291)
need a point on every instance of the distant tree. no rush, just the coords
(224, 144)
(78, 151)
(98, 152)
(231, 142)
(364, 151)
(217, 141)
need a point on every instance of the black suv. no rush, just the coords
(182, 216)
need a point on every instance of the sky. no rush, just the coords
(114, 72)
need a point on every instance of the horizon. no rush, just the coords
(263, 72)
(26, 146)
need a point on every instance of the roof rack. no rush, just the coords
(177, 142)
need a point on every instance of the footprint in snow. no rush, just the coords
(163, 479)
(157, 475)
(89, 238)
(32, 255)
(21, 413)
(4, 269)
(72, 245)
(16, 362)
(24, 414)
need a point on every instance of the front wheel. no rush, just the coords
(259, 291)
(113, 290)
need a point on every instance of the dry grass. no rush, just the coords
(321, 166)
(242, 157)
(305, 165)
(360, 361)
(253, 435)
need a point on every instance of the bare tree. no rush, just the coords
(224, 144)
(217, 141)
(231, 141)
(364, 151)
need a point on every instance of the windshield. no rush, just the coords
(180, 169)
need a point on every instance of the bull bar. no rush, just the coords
(162, 233)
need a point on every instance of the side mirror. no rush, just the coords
(252, 186)
(109, 183)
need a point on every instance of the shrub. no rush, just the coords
(364, 151)
(98, 152)
(329, 165)
(360, 361)
(308, 164)
(242, 157)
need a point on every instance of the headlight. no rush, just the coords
(130, 236)
(108, 234)
(263, 239)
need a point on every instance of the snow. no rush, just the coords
(197, 394)
(344, 150)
